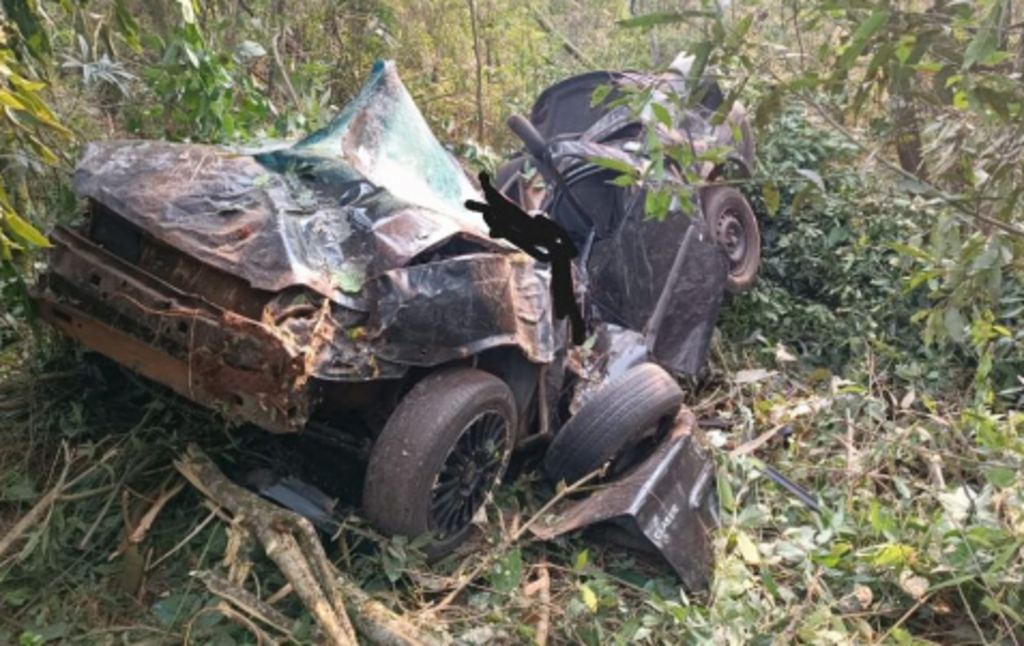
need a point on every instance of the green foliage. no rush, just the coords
(199, 94)
(888, 311)
(28, 127)
(830, 281)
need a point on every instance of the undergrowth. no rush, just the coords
(917, 473)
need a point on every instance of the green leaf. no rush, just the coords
(5, 248)
(861, 37)
(600, 95)
(614, 164)
(661, 114)
(955, 324)
(1001, 477)
(747, 549)
(894, 554)
(4, 200)
(23, 230)
(127, 27)
(772, 198)
(986, 41)
(582, 559)
(910, 250)
(624, 181)
(701, 55)
(11, 101)
(190, 53)
(588, 597)
(25, 15)
(664, 18)
(725, 493)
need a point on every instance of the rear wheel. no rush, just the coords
(440, 455)
(734, 227)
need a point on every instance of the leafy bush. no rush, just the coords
(198, 94)
(830, 278)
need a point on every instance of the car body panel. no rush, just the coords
(251, 275)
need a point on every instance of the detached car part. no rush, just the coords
(621, 414)
(666, 505)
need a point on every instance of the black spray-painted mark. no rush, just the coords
(541, 238)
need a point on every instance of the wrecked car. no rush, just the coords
(340, 283)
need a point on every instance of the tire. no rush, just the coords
(734, 227)
(620, 414)
(413, 485)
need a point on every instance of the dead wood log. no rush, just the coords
(292, 543)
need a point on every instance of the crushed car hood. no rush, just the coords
(371, 192)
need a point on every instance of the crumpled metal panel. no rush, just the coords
(680, 330)
(425, 317)
(274, 230)
(629, 298)
(371, 202)
(242, 367)
(667, 505)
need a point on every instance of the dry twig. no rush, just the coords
(45, 504)
(291, 542)
(541, 586)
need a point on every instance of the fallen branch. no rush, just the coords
(512, 539)
(46, 503)
(244, 601)
(756, 443)
(292, 543)
(148, 518)
(33, 516)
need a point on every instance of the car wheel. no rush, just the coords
(620, 415)
(440, 455)
(734, 227)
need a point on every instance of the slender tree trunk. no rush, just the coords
(479, 72)
(906, 125)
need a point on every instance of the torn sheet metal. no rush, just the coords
(668, 502)
(679, 334)
(303, 498)
(337, 258)
(680, 328)
(425, 316)
(215, 357)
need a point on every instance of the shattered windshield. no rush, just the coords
(383, 135)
